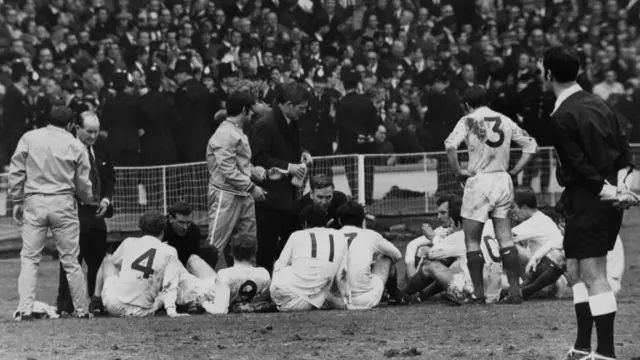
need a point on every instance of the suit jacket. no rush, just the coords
(589, 142)
(15, 119)
(158, 118)
(355, 115)
(39, 111)
(86, 213)
(120, 120)
(274, 142)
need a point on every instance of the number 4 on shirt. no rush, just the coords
(146, 258)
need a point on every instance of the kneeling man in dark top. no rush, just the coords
(184, 235)
(323, 194)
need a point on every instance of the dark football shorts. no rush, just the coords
(592, 225)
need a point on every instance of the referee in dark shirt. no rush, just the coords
(594, 167)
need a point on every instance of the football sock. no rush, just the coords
(603, 309)
(431, 290)
(511, 265)
(392, 286)
(418, 282)
(583, 316)
(475, 264)
(547, 272)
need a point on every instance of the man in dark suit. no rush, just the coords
(357, 122)
(595, 166)
(93, 229)
(39, 104)
(275, 142)
(16, 114)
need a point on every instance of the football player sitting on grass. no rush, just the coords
(371, 261)
(434, 276)
(311, 262)
(142, 276)
(240, 288)
(419, 247)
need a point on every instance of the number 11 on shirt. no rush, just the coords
(314, 247)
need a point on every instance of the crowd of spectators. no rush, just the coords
(157, 71)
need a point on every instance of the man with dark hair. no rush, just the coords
(596, 169)
(313, 260)
(275, 142)
(15, 109)
(420, 246)
(232, 191)
(184, 235)
(488, 191)
(538, 238)
(48, 170)
(436, 274)
(323, 194)
(93, 228)
(371, 261)
(142, 276)
(357, 122)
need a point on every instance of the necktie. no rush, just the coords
(94, 176)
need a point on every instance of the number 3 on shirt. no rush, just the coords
(496, 129)
(147, 269)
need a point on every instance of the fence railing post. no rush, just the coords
(361, 181)
(164, 189)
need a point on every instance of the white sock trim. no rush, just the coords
(580, 293)
(603, 304)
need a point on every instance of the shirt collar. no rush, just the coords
(564, 95)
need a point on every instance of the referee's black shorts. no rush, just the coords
(592, 225)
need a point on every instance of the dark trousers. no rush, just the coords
(273, 230)
(93, 247)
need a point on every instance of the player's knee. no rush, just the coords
(430, 268)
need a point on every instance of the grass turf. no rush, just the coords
(432, 330)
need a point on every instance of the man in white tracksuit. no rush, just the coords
(232, 190)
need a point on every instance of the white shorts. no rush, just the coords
(117, 308)
(370, 298)
(487, 195)
(284, 295)
(192, 290)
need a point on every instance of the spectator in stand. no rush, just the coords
(16, 115)
(609, 86)
(357, 122)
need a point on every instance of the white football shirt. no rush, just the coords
(488, 135)
(317, 257)
(244, 282)
(537, 231)
(147, 267)
(454, 246)
(364, 246)
(411, 252)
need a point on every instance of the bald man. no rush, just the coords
(93, 229)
